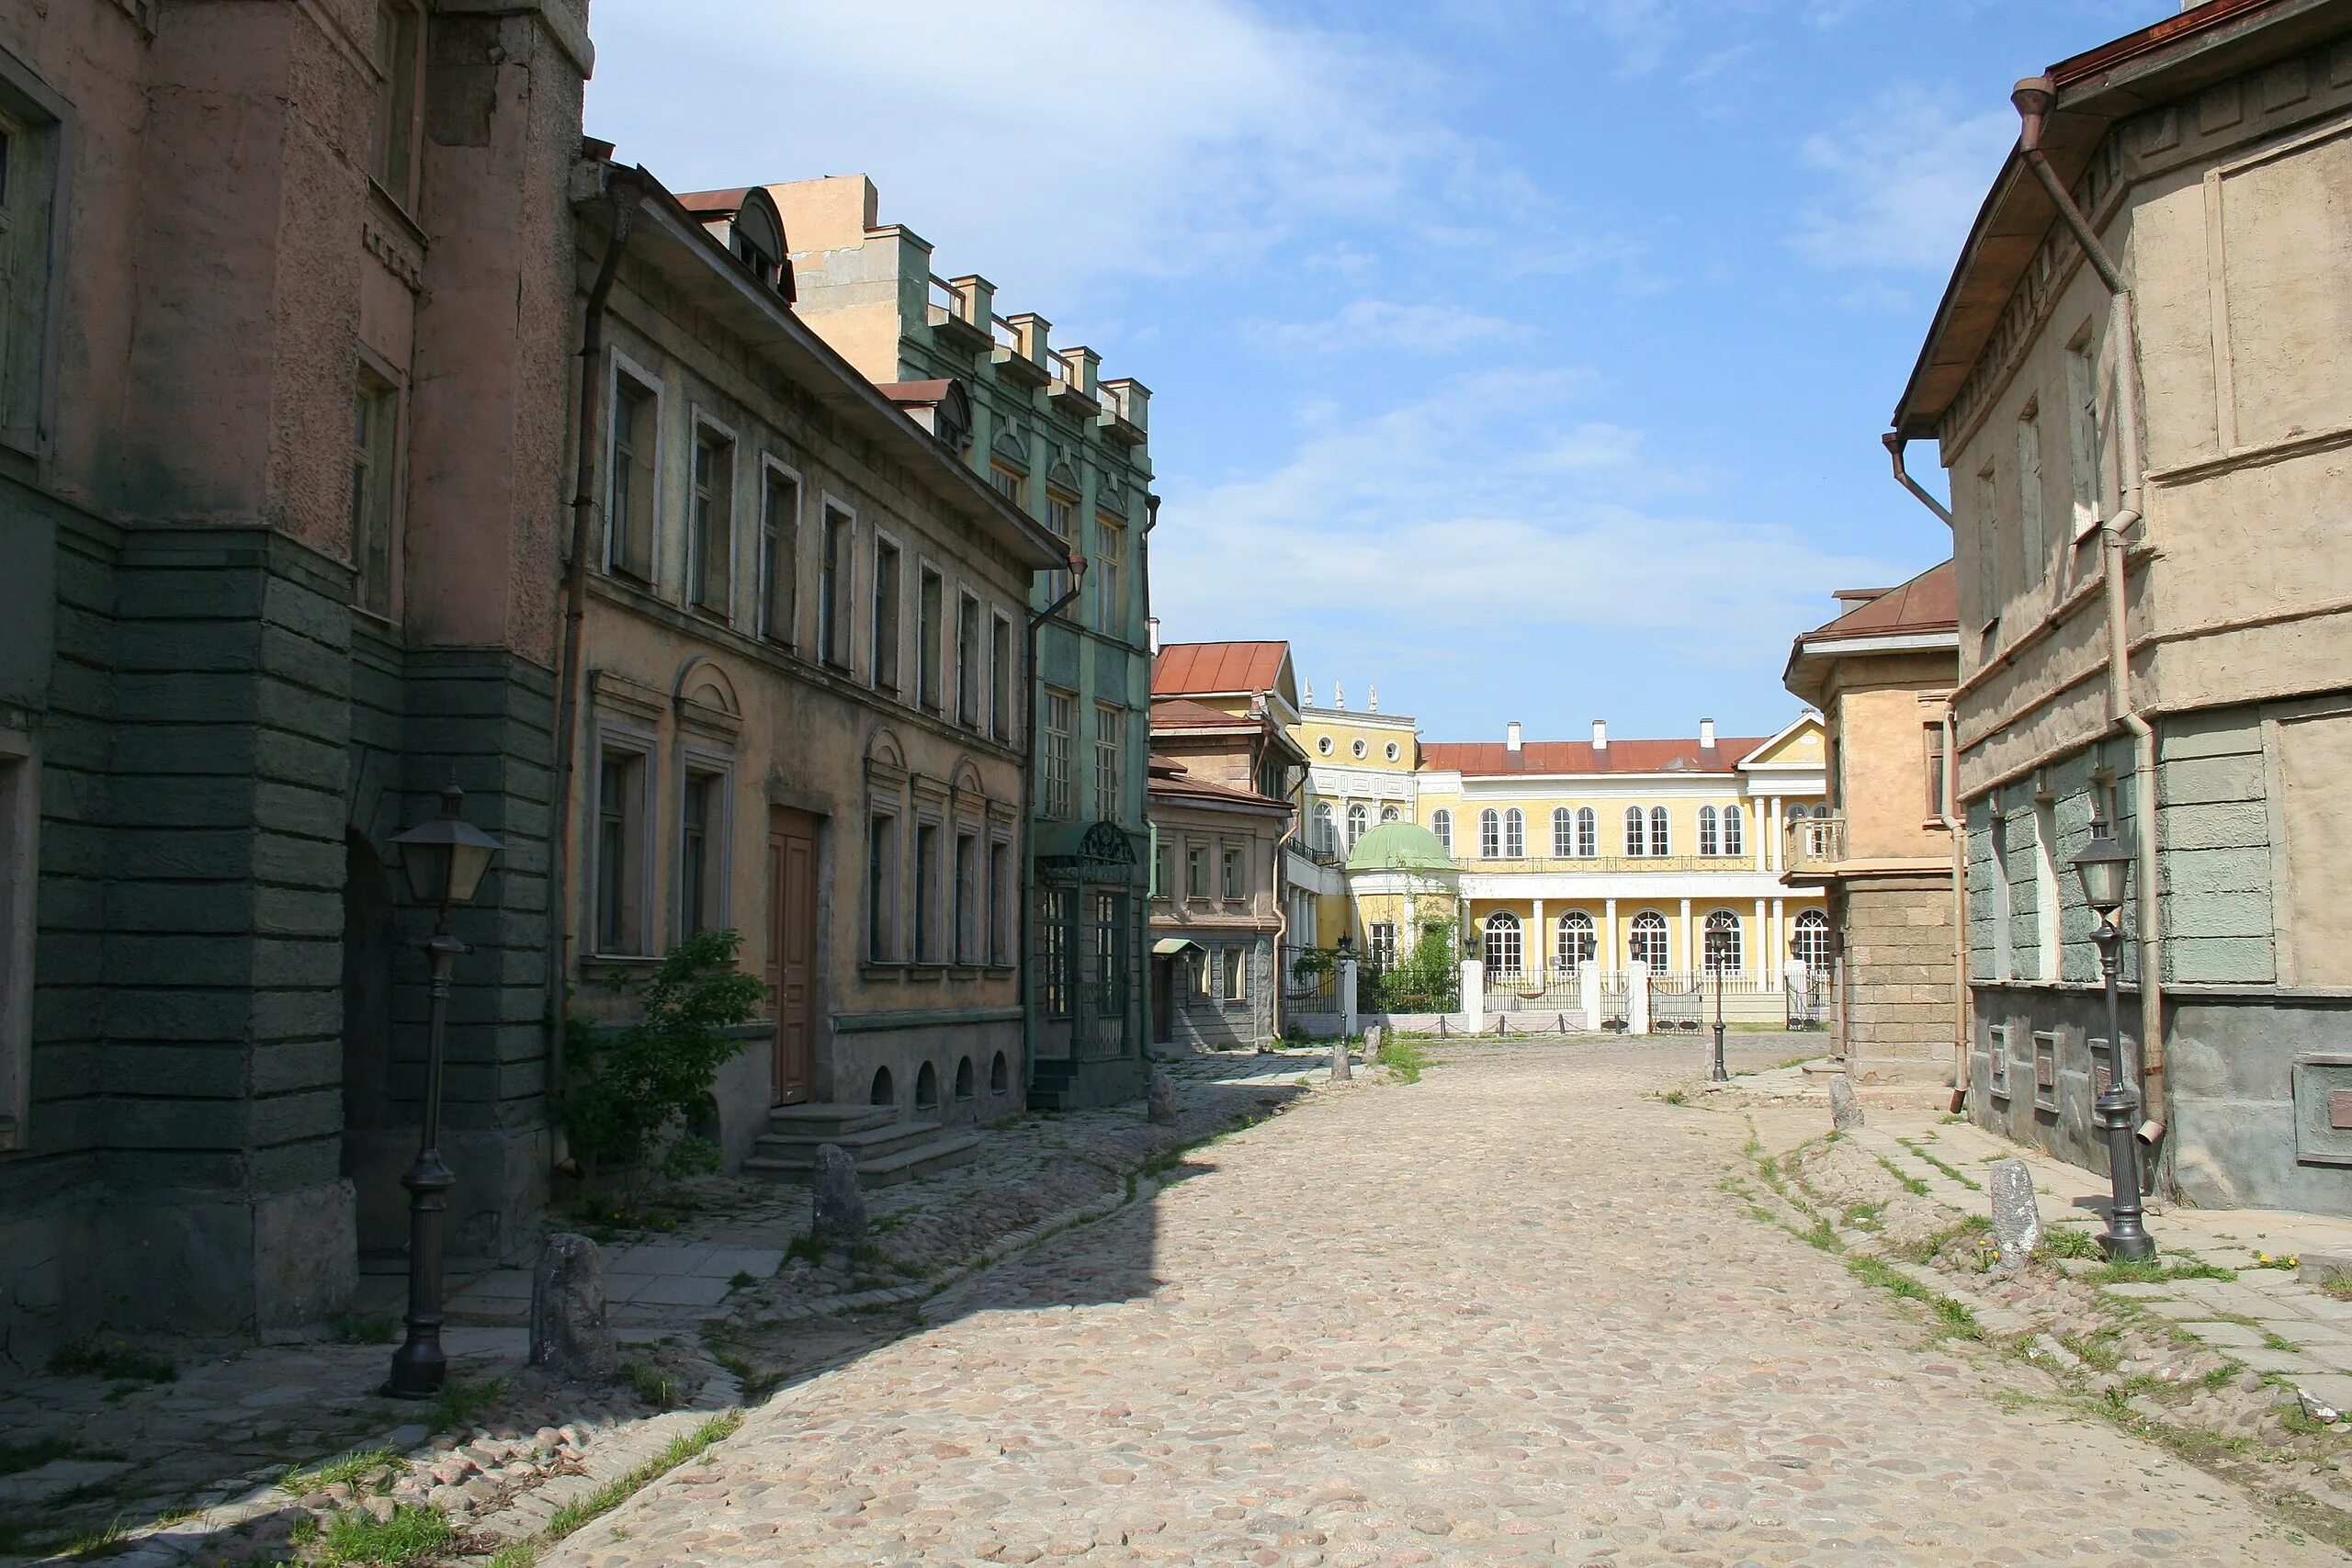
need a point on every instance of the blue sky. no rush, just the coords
(1525, 359)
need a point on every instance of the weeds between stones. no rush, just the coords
(364, 1327)
(349, 1470)
(1404, 1058)
(2157, 1270)
(2065, 1241)
(461, 1400)
(1911, 1184)
(410, 1534)
(1965, 1181)
(96, 1540)
(14, 1457)
(117, 1360)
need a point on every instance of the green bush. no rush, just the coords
(638, 1085)
(1427, 979)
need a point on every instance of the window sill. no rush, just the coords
(711, 612)
(617, 963)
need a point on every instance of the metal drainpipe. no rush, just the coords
(1944, 804)
(1028, 851)
(2033, 98)
(624, 192)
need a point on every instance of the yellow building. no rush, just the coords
(1360, 774)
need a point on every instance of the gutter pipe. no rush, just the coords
(624, 192)
(2033, 98)
(1953, 824)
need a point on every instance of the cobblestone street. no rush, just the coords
(1503, 1316)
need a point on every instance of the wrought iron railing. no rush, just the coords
(1808, 1000)
(1310, 979)
(1604, 862)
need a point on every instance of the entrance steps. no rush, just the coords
(888, 1149)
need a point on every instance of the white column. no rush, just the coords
(1638, 997)
(1759, 952)
(1689, 942)
(1754, 809)
(1588, 995)
(1473, 996)
(1538, 956)
(1609, 934)
(1780, 851)
(1779, 941)
(1348, 1023)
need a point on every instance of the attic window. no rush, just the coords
(755, 236)
(762, 265)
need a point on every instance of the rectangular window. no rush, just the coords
(710, 523)
(2045, 890)
(2034, 549)
(1163, 870)
(1110, 568)
(1659, 842)
(965, 907)
(620, 852)
(28, 174)
(1236, 880)
(927, 950)
(636, 445)
(702, 854)
(375, 418)
(833, 575)
(1000, 677)
(1008, 483)
(779, 554)
(1384, 944)
(1060, 792)
(967, 661)
(882, 888)
(2004, 935)
(2087, 455)
(1110, 760)
(1057, 937)
(1061, 519)
(999, 902)
(1196, 872)
(886, 616)
(929, 620)
(400, 56)
(1237, 973)
(1932, 739)
(1988, 552)
(1110, 991)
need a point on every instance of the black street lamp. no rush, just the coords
(2105, 867)
(444, 861)
(1721, 1074)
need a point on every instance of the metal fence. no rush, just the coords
(1677, 1002)
(1809, 999)
(1310, 979)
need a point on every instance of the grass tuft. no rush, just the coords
(364, 1327)
(461, 1400)
(343, 1470)
(411, 1534)
(1911, 1184)
(2157, 1270)
(655, 1387)
(2067, 1241)
(110, 1358)
(15, 1457)
(1404, 1058)
(618, 1489)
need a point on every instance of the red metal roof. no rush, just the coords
(1492, 757)
(1929, 602)
(1207, 668)
(1183, 713)
(1202, 789)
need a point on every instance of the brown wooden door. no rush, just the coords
(792, 948)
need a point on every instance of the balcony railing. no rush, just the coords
(1815, 843)
(1591, 864)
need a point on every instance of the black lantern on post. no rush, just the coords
(444, 861)
(2104, 866)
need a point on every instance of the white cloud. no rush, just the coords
(1383, 326)
(1901, 180)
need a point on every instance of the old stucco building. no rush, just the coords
(1881, 675)
(1069, 448)
(803, 694)
(2136, 383)
(285, 325)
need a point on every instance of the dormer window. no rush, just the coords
(756, 238)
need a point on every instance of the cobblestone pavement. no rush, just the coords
(1501, 1317)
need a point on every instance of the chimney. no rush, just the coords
(1600, 735)
(1707, 733)
(1152, 637)
(1511, 736)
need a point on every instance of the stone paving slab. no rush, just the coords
(1504, 1349)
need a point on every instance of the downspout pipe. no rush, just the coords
(1895, 442)
(623, 192)
(2033, 98)
(1945, 810)
(1029, 851)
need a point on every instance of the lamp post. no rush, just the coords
(1720, 1075)
(444, 861)
(2105, 867)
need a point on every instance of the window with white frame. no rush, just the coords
(779, 551)
(1441, 829)
(400, 56)
(1502, 944)
(1722, 950)
(1575, 944)
(1734, 831)
(1196, 872)
(964, 904)
(702, 848)
(1660, 842)
(1810, 941)
(1514, 834)
(1059, 795)
(710, 520)
(1236, 974)
(1390, 814)
(1564, 832)
(835, 572)
(1061, 521)
(887, 596)
(19, 863)
(1323, 745)
(1110, 760)
(1327, 833)
(623, 795)
(1237, 875)
(1636, 831)
(1000, 890)
(1001, 674)
(29, 143)
(882, 887)
(1163, 869)
(1382, 941)
(1392, 752)
(1358, 748)
(633, 488)
(1110, 572)
(930, 635)
(375, 490)
(1648, 940)
(1710, 842)
(968, 616)
(1359, 823)
(1490, 834)
(1587, 832)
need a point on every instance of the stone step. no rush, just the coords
(904, 1163)
(828, 1121)
(864, 1145)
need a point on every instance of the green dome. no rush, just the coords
(1400, 846)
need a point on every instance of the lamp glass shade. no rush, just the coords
(443, 860)
(2105, 867)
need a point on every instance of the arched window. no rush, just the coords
(1648, 944)
(1502, 943)
(1811, 941)
(1514, 834)
(1490, 833)
(1327, 832)
(1576, 946)
(1734, 826)
(1388, 813)
(1587, 832)
(1358, 820)
(1634, 843)
(1708, 843)
(1564, 832)
(1659, 842)
(1796, 813)
(1723, 943)
(1442, 824)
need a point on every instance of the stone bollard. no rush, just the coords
(2017, 1218)
(838, 1213)
(1374, 1036)
(570, 1339)
(1162, 1105)
(1845, 1108)
(1343, 1070)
